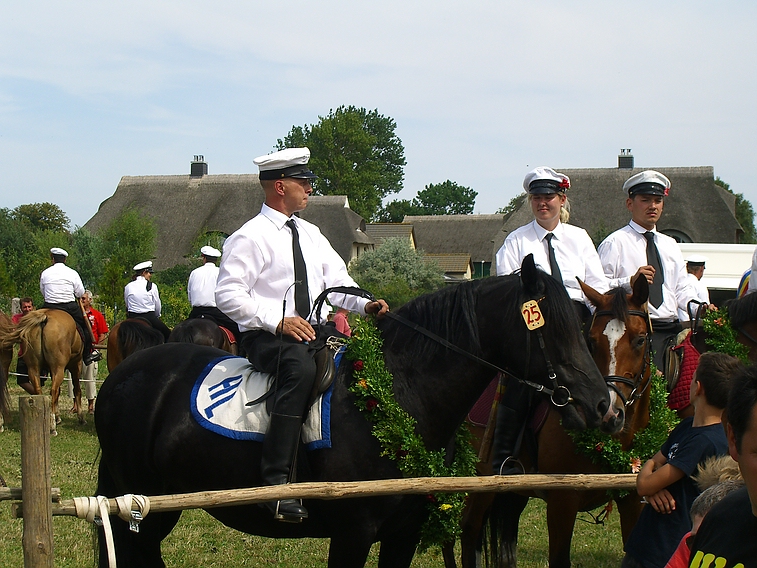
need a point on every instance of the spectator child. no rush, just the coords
(665, 480)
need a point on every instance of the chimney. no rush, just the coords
(199, 167)
(625, 159)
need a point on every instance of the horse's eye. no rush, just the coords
(640, 341)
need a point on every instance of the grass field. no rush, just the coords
(201, 541)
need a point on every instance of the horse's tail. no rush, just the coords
(29, 325)
(502, 534)
(135, 336)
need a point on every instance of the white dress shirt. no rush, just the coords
(622, 254)
(701, 291)
(201, 288)
(574, 251)
(139, 299)
(257, 272)
(60, 284)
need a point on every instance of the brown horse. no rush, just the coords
(203, 331)
(619, 340)
(136, 334)
(50, 340)
(129, 336)
(6, 356)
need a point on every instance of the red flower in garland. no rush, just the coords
(431, 498)
(358, 365)
(600, 446)
(401, 453)
(371, 404)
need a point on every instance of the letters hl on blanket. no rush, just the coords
(227, 384)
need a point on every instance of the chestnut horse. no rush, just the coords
(129, 336)
(50, 340)
(619, 340)
(6, 356)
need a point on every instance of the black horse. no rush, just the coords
(151, 445)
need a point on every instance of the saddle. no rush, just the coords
(680, 358)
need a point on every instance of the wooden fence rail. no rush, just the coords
(352, 489)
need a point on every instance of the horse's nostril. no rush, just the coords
(603, 406)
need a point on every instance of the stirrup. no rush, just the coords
(287, 517)
(513, 466)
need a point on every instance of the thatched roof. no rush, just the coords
(452, 264)
(382, 231)
(446, 234)
(183, 206)
(697, 210)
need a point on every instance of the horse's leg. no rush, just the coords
(398, 550)
(448, 554)
(562, 508)
(504, 519)
(472, 524)
(348, 550)
(74, 369)
(629, 508)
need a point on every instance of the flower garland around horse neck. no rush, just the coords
(721, 336)
(606, 451)
(395, 429)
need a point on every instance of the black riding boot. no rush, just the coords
(512, 414)
(279, 449)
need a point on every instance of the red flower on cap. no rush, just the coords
(565, 183)
(666, 191)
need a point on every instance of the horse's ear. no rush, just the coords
(640, 288)
(529, 273)
(591, 294)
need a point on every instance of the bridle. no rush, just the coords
(559, 394)
(637, 383)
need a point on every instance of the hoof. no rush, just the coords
(58, 419)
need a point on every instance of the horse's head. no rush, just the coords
(558, 356)
(619, 339)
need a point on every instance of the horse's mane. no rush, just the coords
(449, 313)
(742, 310)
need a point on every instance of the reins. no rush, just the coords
(558, 394)
(540, 388)
(636, 382)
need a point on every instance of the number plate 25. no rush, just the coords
(532, 315)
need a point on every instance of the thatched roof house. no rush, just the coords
(473, 235)
(184, 206)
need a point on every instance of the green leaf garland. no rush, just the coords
(395, 429)
(605, 450)
(721, 336)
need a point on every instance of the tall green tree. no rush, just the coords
(355, 152)
(396, 272)
(744, 213)
(129, 239)
(446, 198)
(43, 217)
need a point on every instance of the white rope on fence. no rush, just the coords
(131, 508)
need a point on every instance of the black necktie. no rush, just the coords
(653, 260)
(556, 274)
(301, 296)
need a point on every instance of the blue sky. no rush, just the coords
(481, 92)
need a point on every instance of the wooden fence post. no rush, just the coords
(34, 414)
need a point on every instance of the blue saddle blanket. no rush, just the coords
(223, 389)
